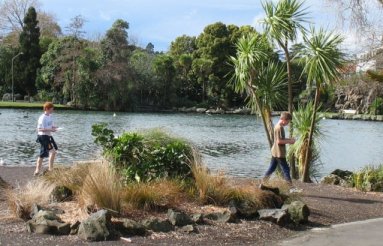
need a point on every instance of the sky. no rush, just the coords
(161, 21)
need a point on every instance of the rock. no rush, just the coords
(244, 209)
(225, 217)
(35, 209)
(188, 229)
(46, 222)
(74, 228)
(278, 216)
(331, 179)
(128, 227)
(298, 211)
(197, 218)
(201, 110)
(60, 194)
(97, 227)
(343, 174)
(179, 218)
(158, 225)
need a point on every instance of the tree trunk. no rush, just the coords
(306, 165)
(265, 125)
(293, 171)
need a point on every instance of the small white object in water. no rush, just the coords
(324, 118)
(2, 163)
(114, 115)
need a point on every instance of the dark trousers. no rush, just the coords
(283, 163)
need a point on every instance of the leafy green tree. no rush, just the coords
(59, 72)
(29, 45)
(322, 59)
(165, 72)
(202, 68)
(214, 44)
(142, 64)
(115, 75)
(6, 54)
(183, 45)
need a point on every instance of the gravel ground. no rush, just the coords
(328, 204)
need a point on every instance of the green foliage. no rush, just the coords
(302, 122)
(376, 76)
(145, 156)
(369, 178)
(376, 107)
(30, 46)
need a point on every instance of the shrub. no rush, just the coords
(376, 106)
(145, 156)
(369, 178)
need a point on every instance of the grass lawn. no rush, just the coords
(27, 105)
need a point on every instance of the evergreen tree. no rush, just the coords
(29, 45)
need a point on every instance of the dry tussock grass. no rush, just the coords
(153, 195)
(101, 188)
(21, 199)
(218, 190)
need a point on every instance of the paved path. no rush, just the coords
(360, 233)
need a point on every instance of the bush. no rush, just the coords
(376, 107)
(145, 156)
(369, 178)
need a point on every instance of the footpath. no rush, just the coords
(365, 233)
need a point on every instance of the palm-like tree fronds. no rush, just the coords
(322, 57)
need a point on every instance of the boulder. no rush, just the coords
(201, 110)
(188, 229)
(158, 225)
(97, 227)
(278, 216)
(298, 211)
(46, 222)
(197, 218)
(343, 174)
(331, 179)
(244, 209)
(74, 228)
(128, 227)
(222, 217)
(179, 218)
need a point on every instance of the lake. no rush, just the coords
(235, 144)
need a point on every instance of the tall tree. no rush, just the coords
(29, 45)
(261, 79)
(282, 22)
(115, 74)
(322, 59)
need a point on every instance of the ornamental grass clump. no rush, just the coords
(217, 189)
(21, 199)
(369, 178)
(153, 195)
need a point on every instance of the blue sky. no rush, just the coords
(160, 22)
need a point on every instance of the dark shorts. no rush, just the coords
(47, 143)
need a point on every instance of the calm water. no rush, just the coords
(235, 144)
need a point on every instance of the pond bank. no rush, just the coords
(343, 116)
